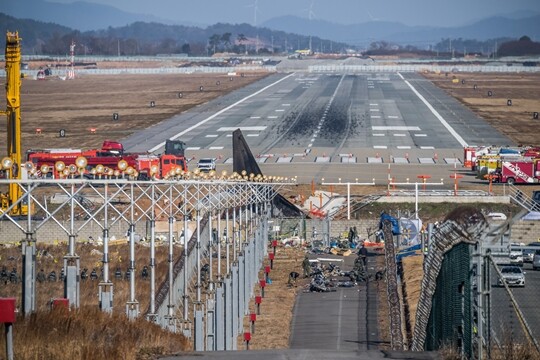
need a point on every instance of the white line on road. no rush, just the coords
(395, 128)
(437, 115)
(220, 112)
(243, 128)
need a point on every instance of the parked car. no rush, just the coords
(516, 255)
(512, 276)
(536, 260)
(207, 164)
(528, 252)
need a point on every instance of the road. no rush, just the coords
(505, 322)
(326, 125)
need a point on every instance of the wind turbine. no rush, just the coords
(255, 7)
(311, 16)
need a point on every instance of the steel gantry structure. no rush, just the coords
(228, 214)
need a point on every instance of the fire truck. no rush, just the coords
(519, 172)
(110, 160)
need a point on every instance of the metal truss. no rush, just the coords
(106, 202)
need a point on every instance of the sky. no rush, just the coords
(409, 12)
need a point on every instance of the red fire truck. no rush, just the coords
(519, 172)
(108, 161)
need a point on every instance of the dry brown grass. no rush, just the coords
(412, 282)
(89, 102)
(273, 326)
(89, 334)
(514, 121)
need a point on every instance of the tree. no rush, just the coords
(186, 48)
(240, 38)
(226, 39)
(214, 41)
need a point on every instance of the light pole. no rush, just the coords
(349, 184)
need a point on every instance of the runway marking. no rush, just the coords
(273, 117)
(193, 148)
(420, 135)
(211, 136)
(216, 147)
(380, 147)
(395, 128)
(401, 160)
(220, 112)
(374, 160)
(377, 134)
(252, 135)
(280, 110)
(437, 115)
(393, 117)
(427, 147)
(285, 104)
(255, 117)
(426, 161)
(243, 128)
(375, 117)
(374, 110)
(403, 147)
(399, 135)
(373, 104)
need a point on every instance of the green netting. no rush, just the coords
(450, 318)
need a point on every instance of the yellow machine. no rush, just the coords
(12, 163)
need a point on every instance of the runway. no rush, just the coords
(325, 122)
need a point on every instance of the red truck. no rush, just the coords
(109, 157)
(519, 172)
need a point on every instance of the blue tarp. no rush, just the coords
(393, 220)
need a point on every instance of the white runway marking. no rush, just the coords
(220, 112)
(243, 128)
(380, 147)
(194, 147)
(427, 147)
(252, 135)
(395, 128)
(399, 135)
(216, 147)
(373, 104)
(285, 104)
(379, 134)
(374, 110)
(255, 117)
(272, 117)
(420, 135)
(375, 117)
(211, 136)
(280, 110)
(437, 115)
(393, 117)
(403, 147)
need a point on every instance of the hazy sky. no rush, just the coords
(410, 12)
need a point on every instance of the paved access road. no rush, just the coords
(504, 319)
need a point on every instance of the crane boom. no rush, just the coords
(12, 163)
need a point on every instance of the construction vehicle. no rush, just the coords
(109, 161)
(519, 172)
(11, 201)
